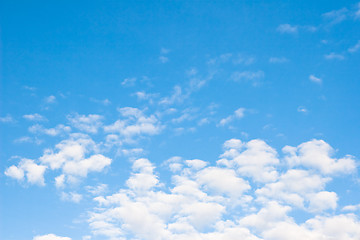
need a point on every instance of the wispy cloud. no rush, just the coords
(334, 56)
(287, 28)
(355, 48)
(315, 79)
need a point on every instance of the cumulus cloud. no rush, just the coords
(217, 202)
(50, 237)
(316, 154)
(134, 123)
(90, 123)
(50, 99)
(33, 172)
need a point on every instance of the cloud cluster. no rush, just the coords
(249, 194)
(74, 157)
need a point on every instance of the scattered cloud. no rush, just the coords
(355, 48)
(315, 79)
(7, 119)
(238, 114)
(287, 28)
(50, 99)
(58, 130)
(71, 197)
(33, 172)
(278, 60)
(34, 117)
(50, 237)
(302, 109)
(90, 123)
(334, 56)
(336, 16)
(248, 76)
(163, 59)
(129, 82)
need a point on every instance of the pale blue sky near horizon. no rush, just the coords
(183, 77)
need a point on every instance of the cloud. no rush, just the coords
(287, 28)
(177, 97)
(315, 79)
(6, 119)
(302, 109)
(34, 173)
(134, 123)
(129, 82)
(278, 60)
(246, 76)
(336, 16)
(90, 123)
(249, 194)
(355, 48)
(306, 153)
(71, 197)
(163, 59)
(334, 56)
(58, 130)
(71, 158)
(50, 237)
(50, 99)
(34, 117)
(238, 114)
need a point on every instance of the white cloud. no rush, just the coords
(6, 119)
(302, 109)
(255, 159)
(97, 190)
(34, 173)
(128, 82)
(70, 157)
(134, 123)
(215, 202)
(50, 99)
(278, 60)
(334, 56)
(287, 28)
(90, 123)
(317, 154)
(238, 114)
(336, 16)
(59, 129)
(355, 48)
(71, 197)
(50, 237)
(163, 59)
(253, 77)
(34, 117)
(315, 79)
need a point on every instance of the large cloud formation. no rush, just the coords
(249, 194)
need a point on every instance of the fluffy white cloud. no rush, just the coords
(34, 173)
(255, 159)
(59, 129)
(215, 202)
(90, 123)
(134, 123)
(317, 154)
(71, 157)
(50, 237)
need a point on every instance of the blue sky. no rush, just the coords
(179, 120)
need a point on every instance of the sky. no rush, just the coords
(200, 120)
